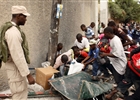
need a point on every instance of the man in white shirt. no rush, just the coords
(82, 42)
(117, 56)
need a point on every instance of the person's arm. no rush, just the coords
(88, 62)
(89, 55)
(85, 59)
(128, 41)
(126, 38)
(107, 54)
(30, 79)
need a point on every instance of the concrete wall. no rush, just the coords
(75, 13)
(104, 11)
(36, 27)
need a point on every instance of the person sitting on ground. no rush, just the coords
(92, 57)
(64, 58)
(82, 42)
(59, 48)
(58, 52)
(88, 32)
(102, 28)
(78, 54)
(92, 25)
(101, 33)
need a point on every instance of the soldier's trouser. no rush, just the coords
(19, 90)
(17, 83)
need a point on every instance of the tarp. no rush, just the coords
(90, 89)
(79, 86)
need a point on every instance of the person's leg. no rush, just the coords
(116, 75)
(125, 84)
(104, 70)
(61, 69)
(110, 67)
(17, 83)
(19, 90)
(95, 68)
(130, 79)
(118, 78)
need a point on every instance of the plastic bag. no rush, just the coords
(75, 67)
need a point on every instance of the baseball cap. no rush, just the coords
(20, 10)
(91, 42)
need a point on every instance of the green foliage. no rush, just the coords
(116, 12)
(125, 10)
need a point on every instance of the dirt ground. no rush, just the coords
(4, 86)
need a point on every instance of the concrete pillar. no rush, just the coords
(95, 17)
(104, 11)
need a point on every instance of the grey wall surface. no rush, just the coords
(36, 27)
(75, 13)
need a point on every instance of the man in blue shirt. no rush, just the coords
(92, 57)
(89, 34)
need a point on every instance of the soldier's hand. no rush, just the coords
(30, 79)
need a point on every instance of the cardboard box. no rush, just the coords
(43, 75)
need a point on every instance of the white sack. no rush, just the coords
(75, 67)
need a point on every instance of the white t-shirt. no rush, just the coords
(84, 43)
(117, 49)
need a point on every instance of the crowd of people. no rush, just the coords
(105, 52)
(108, 53)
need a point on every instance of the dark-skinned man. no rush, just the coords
(16, 54)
